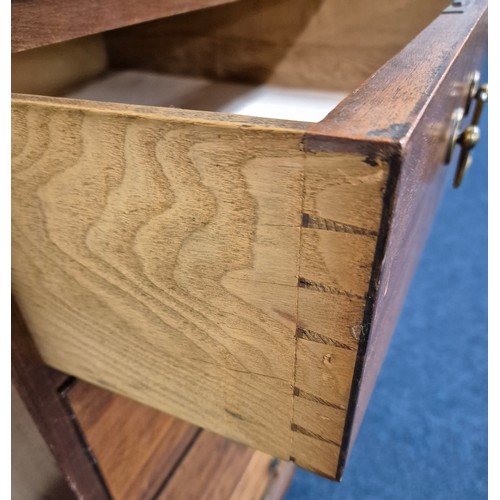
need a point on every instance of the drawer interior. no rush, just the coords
(285, 59)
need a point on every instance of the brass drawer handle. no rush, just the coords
(467, 140)
(469, 137)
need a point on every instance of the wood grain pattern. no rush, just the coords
(37, 23)
(136, 447)
(164, 254)
(55, 69)
(211, 456)
(172, 281)
(215, 467)
(327, 44)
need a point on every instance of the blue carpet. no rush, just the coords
(425, 431)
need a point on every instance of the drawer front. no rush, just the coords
(407, 111)
(424, 173)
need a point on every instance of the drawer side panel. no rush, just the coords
(209, 269)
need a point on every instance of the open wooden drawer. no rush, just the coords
(243, 273)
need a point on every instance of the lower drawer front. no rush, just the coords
(143, 454)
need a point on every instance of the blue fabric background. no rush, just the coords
(425, 431)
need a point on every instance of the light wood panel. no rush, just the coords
(148, 236)
(55, 69)
(163, 254)
(327, 44)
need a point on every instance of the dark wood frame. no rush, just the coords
(40, 389)
(36, 23)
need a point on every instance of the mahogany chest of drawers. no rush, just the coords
(217, 213)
